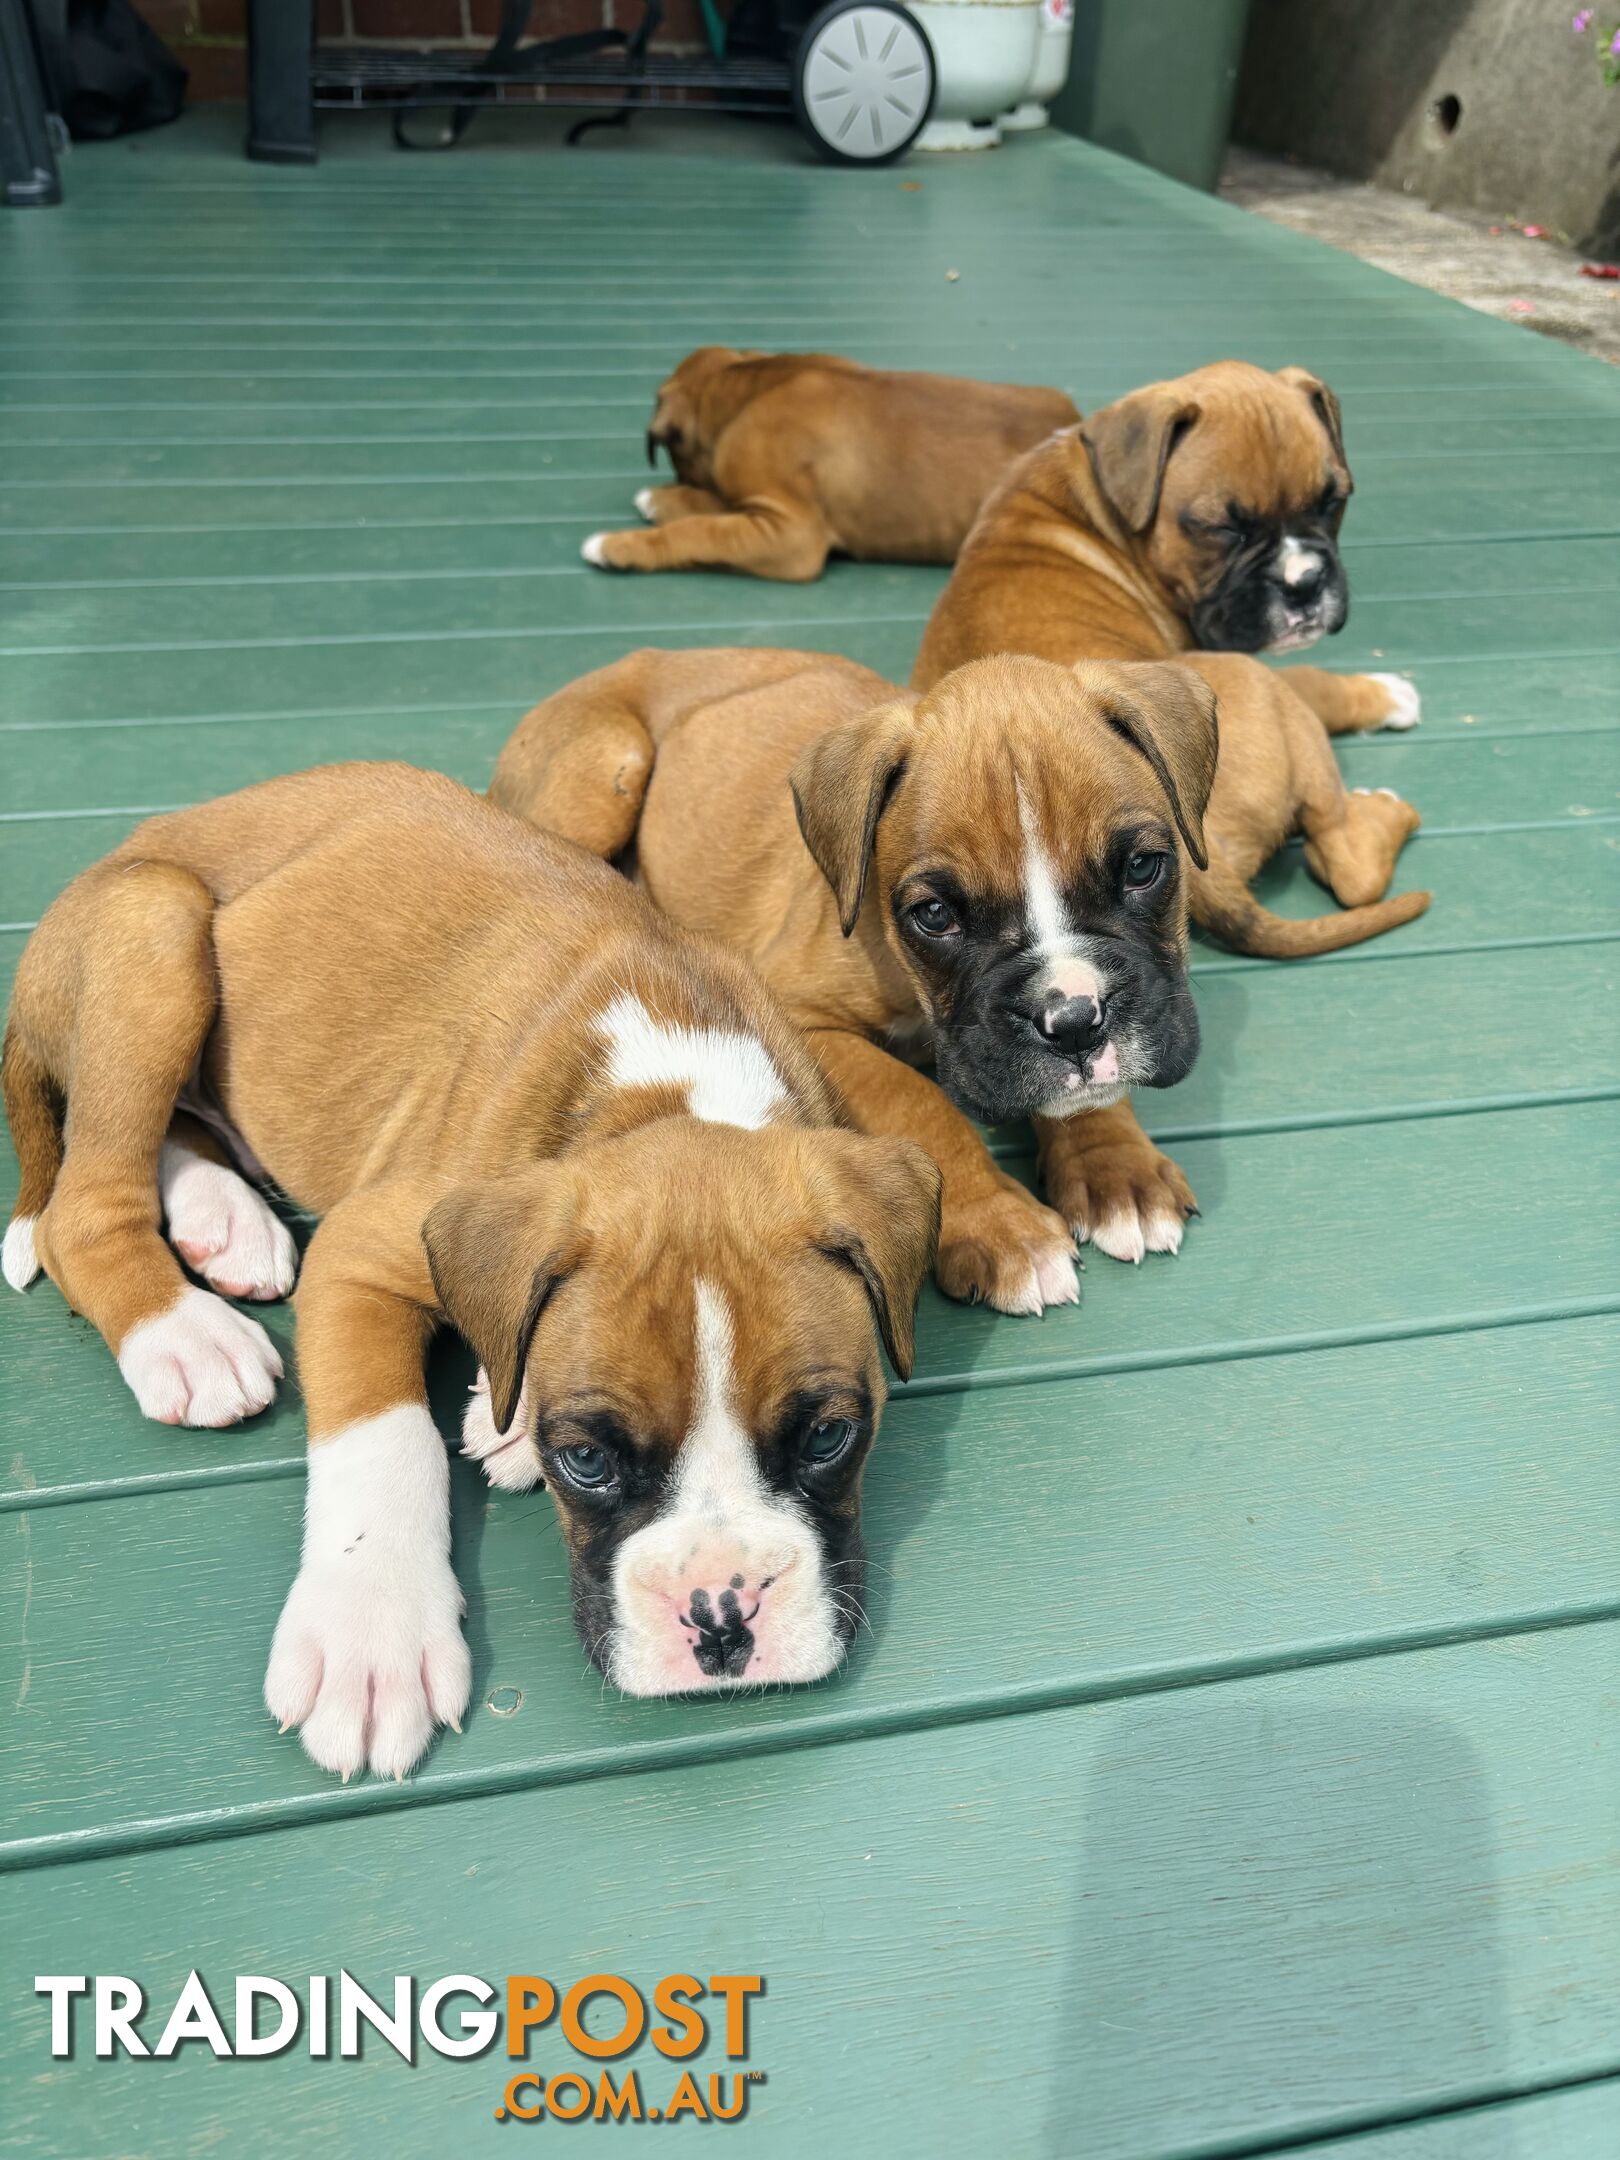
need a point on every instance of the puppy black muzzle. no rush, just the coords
(1275, 598)
(1007, 1049)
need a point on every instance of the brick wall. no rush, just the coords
(209, 38)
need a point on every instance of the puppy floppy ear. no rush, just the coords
(496, 1254)
(840, 785)
(1129, 444)
(1170, 716)
(1326, 407)
(881, 1199)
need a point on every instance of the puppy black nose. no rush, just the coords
(1076, 1025)
(1303, 572)
(724, 1642)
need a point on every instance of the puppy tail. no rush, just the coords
(579, 763)
(1223, 905)
(34, 1113)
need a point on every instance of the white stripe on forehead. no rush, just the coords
(717, 1471)
(729, 1078)
(1049, 930)
(1045, 916)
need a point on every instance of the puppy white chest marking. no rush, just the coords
(1046, 917)
(729, 1078)
(717, 1472)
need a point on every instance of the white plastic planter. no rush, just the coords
(985, 52)
(1051, 66)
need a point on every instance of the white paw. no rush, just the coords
(508, 1458)
(1053, 1279)
(19, 1262)
(368, 1655)
(1131, 1233)
(595, 550)
(200, 1363)
(1406, 706)
(644, 502)
(222, 1228)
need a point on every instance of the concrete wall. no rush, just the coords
(1357, 86)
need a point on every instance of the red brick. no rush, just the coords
(547, 18)
(682, 23)
(216, 71)
(171, 19)
(218, 18)
(440, 20)
(332, 18)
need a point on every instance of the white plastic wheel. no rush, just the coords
(863, 81)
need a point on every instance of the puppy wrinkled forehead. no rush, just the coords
(1009, 747)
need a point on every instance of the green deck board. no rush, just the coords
(183, 617)
(1516, 684)
(1567, 885)
(1294, 1251)
(1415, 1904)
(1437, 499)
(1302, 1509)
(1501, 780)
(1578, 2124)
(1202, 1841)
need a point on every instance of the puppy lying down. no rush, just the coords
(1198, 521)
(521, 1102)
(784, 458)
(992, 876)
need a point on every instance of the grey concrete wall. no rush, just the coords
(1356, 85)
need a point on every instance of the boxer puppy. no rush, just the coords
(991, 875)
(784, 458)
(524, 1103)
(1204, 513)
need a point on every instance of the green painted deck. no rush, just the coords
(1234, 1759)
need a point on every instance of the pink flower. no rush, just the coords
(1614, 45)
(1582, 22)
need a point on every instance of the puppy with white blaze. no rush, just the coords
(524, 1104)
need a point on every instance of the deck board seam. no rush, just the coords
(270, 1468)
(831, 1729)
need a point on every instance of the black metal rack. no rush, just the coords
(291, 77)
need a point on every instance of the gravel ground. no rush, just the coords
(1534, 282)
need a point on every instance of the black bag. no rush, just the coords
(110, 72)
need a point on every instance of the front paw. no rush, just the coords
(508, 1459)
(1126, 1201)
(368, 1655)
(367, 1660)
(605, 550)
(1405, 704)
(1008, 1251)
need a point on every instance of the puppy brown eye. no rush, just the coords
(588, 1467)
(827, 1441)
(934, 918)
(1142, 871)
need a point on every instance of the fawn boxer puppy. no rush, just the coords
(1205, 513)
(991, 875)
(784, 458)
(524, 1103)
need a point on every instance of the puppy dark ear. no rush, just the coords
(840, 784)
(1326, 407)
(882, 1204)
(1170, 716)
(1129, 445)
(497, 1253)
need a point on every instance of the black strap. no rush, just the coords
(497, 61)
